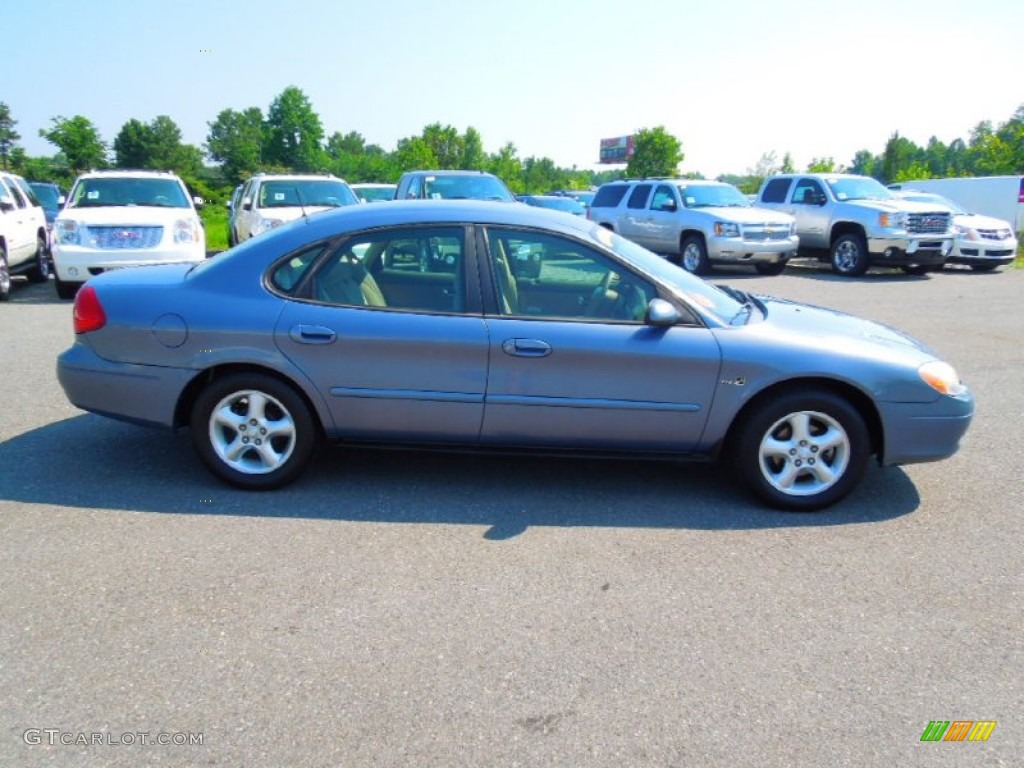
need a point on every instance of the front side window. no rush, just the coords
(573, 281)
(13, 193)
(410, 268)
(663, 199)
(808, 192)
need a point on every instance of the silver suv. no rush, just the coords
(696, 223)
(855, 222)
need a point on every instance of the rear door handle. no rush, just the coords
(312, 334)
(526, 347)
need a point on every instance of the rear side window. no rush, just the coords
(775, 191)
(288, 273)
(609, 196)
(638, 199)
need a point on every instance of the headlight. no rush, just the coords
(262, 225)
(186, 231)
(67, 232)
(727, 229)
(941, 377)
(892, 220)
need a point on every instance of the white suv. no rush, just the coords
(270, 200)
(22, 233)
(119, 219)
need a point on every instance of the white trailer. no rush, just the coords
(1001, 197)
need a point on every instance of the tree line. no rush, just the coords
(290, 137)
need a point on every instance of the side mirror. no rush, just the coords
(61, 200)
(199, 202)
(6, 204)
(668, 205)
(662, 314)
(247, 204)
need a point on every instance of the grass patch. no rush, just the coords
(215, 221)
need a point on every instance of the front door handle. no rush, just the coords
(526, 347)
(312, 334)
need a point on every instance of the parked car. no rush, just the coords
(696, 223)
(232, 206)
(855, 223)
(23, 238)
(327, 328)
(116, 219)
(583, 196)
(51, 198)
(452, 185)
(555, 203)
(374, 193)
(982, 243)
(269, 200)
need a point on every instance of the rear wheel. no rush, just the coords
(40, 271)
(850, 255)
(253, 431)
(5, 275)
(770, 268)
(694, 254)
(803, 451)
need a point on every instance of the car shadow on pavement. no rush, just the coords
(95, 463)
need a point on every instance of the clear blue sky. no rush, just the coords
(732, 79)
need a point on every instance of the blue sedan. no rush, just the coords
(544, 332)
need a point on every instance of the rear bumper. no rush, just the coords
(141, 394)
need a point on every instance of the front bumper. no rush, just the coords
(736, 250)
(926, 250)
(920, 432)
(76, 264)
(140, 394)
(993, 252)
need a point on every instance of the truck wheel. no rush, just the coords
(40, 272)
(770, 268)
(695, 255)
(5, 275)
(850, 255)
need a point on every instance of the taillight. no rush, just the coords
(89, 314)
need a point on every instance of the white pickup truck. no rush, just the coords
(855, 222)
(697, 223)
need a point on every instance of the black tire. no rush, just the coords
(40, 271)
(65, 290)
(769, 268)
(983, 267)
(849, 255)
(220, 443)
(822, 467)
(232, 240)
(5, 275)
(693, 254)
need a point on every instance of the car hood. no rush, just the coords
(128, 215)
(837, 330)
(896, 205)
(291, 214)
(977, 221)
(745, 215)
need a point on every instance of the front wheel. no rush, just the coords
(5, 275)
(65, 290)
(253, 431)
(770, 268)
(803, 451)
(694, 255)
(850, 255)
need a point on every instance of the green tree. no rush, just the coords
(80, 142)
(293, 132)
(446, 144)
(505, 164)
(821, 165)
(787, 164)
(655, 153)
(863, 163)
(900, 153)
(473, 156)
(8, 136)
(413, 153)
(132, 146)
(235, 141)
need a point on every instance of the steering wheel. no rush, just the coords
(597, 298)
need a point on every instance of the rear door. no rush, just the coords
(636, 222)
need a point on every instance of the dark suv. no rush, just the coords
(452, 185)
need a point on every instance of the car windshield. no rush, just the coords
(472, 187)
(709, 298)
(375, 194)
(712, 196)
(160, 193)
(290, 193)
(47, 194)
(566, 204)
(859, 189)
(937, 200)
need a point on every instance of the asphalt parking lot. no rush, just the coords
(399, 609)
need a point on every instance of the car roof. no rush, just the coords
(467, 172)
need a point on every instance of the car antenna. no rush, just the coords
(302, 203)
